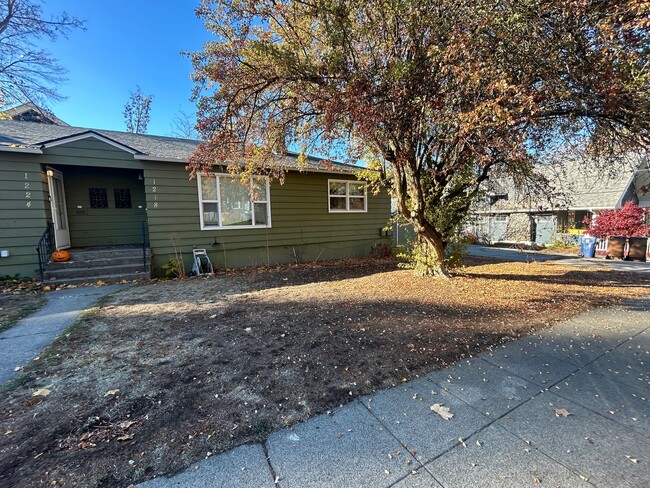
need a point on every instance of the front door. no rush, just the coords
(545, 229)
(59, 210)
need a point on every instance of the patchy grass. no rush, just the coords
(165, 374)
(18, 299)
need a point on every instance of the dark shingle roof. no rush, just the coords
(34, 135)
(30, 135)
(578, 186)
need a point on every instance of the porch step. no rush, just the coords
(85, 262)
(115, 263)
(111, 278)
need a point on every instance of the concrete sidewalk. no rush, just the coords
(505, 431)
(22, 342)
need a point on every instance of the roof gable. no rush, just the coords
(88, 135)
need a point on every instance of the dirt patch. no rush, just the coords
(166, 374)
(18, 298)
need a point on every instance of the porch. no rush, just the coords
(99, 215)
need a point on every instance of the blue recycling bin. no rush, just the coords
(587, 247)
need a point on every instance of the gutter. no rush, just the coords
(27, 150)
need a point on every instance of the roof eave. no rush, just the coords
(26, 150)
(344, 170)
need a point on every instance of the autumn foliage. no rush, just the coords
(438, 96)
(628, 221)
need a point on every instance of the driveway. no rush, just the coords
(566, 407)
(505, 254)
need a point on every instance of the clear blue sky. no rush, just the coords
(126, 43)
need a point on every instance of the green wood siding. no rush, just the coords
(302, 227)
(301, 223)
(103, 226)
(24, 209)
(90, 153)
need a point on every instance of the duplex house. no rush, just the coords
(81, 188)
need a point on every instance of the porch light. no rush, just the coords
(49, 172)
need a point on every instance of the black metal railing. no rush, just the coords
(143, 233)
(44, 248)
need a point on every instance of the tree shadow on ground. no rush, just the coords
(573, 277)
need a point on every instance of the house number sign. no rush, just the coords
(28, 192)
(154, 190)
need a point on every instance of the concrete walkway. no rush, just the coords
(505, 431)
(21, 343)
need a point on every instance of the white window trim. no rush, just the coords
(267, 201)
(347, 196)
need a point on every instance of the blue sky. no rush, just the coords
(126, 43)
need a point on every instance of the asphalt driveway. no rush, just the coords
(505, 254)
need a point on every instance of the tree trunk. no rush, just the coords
(429, 258)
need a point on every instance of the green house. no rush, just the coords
(91, 190)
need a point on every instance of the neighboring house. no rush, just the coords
(106, 188)
(28, 112)
(510, 214)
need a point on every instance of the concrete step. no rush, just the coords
(87, 254)
(88, 265)
(82, 261)
(92, 272)
(108, 278)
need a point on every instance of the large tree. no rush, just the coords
(437, 95)
(29, 73)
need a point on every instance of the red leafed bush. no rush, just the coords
(627, 221)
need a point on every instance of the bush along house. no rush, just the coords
(578, 193)
(123, 205)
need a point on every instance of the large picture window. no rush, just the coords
(347, 196)
(227, 203)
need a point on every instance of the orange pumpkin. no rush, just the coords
(60, 256)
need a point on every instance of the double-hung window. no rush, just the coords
(347, 196)
(227, 203)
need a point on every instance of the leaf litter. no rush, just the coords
(151, 363)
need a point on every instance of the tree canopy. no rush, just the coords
(28, 72)
(437, 95)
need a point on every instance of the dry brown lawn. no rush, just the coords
(164, 374)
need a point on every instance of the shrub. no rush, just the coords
(627, 221)
(470, 237)
(381, 250)
(174, 268)
(413, 254)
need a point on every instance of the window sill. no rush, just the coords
(235, 227)
(348, 211)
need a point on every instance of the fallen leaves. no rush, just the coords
(310, 323)
(441, 410)
(561, 412)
